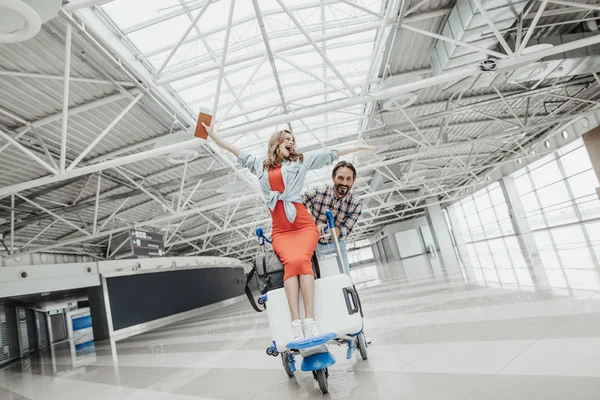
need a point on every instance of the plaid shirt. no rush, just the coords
(345, 210)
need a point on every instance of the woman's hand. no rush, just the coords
(209, 129)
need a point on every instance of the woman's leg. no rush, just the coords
(292, 292)
(307, 284)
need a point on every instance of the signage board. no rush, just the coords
(148, 244)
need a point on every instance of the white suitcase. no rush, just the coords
(328, 265)
(336, 310)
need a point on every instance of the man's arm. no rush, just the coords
(313, 198)
(308, 197)
(346, 228)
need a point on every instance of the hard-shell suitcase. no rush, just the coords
(337, 309)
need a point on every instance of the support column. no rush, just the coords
(461, 247)
(591, 140)
(98, 311)
(441, 236)
(524, 235)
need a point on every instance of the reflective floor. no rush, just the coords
(432, 337)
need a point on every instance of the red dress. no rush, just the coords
(293, 243)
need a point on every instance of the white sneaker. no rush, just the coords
(310, 328)
(297, 329)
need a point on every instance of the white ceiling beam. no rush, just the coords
(106, 130)
(494, 28)
(249, 18)
(247, 65)
(282, 119)
(65, 99)
(453, 41)
(26, 151)
(173, 14)
(236, 101)
(95, 30)
(531, 28)
(165, 16)
(269, 54)
(74, 5)
(377, 49)
(154, 221)
(182, 38)
(30, 75)
(584, 6)
(163, 97)
(58, 217)
(72, 111)
(194, 71)
(286, 33)
(265, 123)
(313, 43)
(211, 54)
(266, 222)
(361, 8)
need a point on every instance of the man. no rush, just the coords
(346, 208)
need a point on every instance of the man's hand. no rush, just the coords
(321, 228)
(322, 232)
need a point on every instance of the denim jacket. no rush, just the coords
(293, 174)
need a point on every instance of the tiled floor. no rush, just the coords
(432, 338)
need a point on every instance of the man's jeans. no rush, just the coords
(329, 248)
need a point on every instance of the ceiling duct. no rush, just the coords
(466, 24)
(180, 156)
(21, 20)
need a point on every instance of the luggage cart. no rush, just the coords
(338, 313)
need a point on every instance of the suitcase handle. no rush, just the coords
(352, 307)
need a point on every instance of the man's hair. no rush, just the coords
(343, 164)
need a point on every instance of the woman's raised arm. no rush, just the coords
(350, 150)
(222, 143)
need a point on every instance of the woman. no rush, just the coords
(281, 175)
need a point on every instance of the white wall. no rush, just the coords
(105, 267)
(47, 278)
(44, 259)
(409, 243)
(390, 231)
(55, 277)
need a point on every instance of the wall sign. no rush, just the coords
(148, 244)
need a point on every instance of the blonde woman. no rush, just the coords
(281, 175)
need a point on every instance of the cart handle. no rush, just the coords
(331, 224)
(330, 221)
(261, 236)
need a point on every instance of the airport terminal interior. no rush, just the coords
(461, 258)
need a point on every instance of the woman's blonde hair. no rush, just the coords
(273, 158)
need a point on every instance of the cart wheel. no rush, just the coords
(286, 365)
(361, 343)
(321, 377)
(269, 351)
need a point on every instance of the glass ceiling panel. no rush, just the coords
(161, 34)
(127, 13)
(159, 24)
